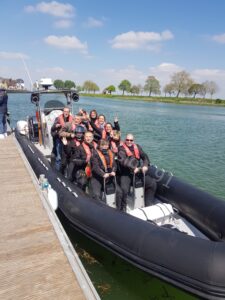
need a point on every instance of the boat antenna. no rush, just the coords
(27, 71)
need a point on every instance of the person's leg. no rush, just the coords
(58, 152)
(150, 190)
(4, 125)
(96, 188)
(70, 171)
(125, 182)
(1, 125)
(119, 197)
(64, 161)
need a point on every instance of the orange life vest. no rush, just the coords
(61, 119)
(76, 142)
(114, 147)
(129, 153)
(104, 134)
(88, 153)
(102, 157)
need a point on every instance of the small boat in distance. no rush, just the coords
(180, 238)
(45, 83)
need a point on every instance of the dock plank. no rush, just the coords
(32, 262)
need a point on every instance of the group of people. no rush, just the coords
(89, 151)
(3, 113)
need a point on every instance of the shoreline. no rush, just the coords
(172, 100)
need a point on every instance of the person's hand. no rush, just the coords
(106, 175)
(64, 141)
(116, 119)
(144, 169)
(136, 170)
(112, 174)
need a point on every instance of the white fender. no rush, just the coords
(52, 198)
(22, 127)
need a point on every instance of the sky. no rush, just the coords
(107, 41)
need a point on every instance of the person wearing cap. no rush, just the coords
(67, 134)
(3, 113)
(132, 159)
(79, 167)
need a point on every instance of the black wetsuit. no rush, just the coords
(97, 179)
(127, 173)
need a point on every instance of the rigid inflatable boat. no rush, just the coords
(180, 238)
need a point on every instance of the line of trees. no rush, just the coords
(181, 83)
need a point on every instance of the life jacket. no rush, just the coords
(61, 119)
(88, 153)
(102, 157)
(76, 142)
(129, 153)
(114, 147)
(104, 134)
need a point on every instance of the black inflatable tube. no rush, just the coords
(193, 264)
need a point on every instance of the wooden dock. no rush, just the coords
(33, 264)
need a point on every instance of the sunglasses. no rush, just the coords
(129, 140)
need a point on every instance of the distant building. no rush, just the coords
(12, 84)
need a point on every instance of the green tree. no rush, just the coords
(110, 89)
(94, 87)
(169, 89)
(195, 89)
(69, 84)
(211, 88)
(135, 89)
(152, 85)
(58, 84)
(90, 86)
(125, 85)
(181, 82)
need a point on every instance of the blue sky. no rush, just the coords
(108, 41)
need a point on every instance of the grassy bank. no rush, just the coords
(191, 101)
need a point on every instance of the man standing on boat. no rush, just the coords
(3, 113)
(59, 123)
(132, 160)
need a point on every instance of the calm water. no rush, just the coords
(186, 140)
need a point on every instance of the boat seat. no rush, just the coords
(158, 213)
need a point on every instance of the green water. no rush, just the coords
(186, 140)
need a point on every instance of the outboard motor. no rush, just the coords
(33, 129)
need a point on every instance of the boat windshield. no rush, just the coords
(53, 105)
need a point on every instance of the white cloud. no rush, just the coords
(12, 55)
(140, 40)
(164, 71)
(217, 75)
(53, 8)
(219, 38)
(92, 22)
(63, 24)
(130, 73)
(67, 43)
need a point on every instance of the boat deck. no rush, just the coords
(33, 263)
